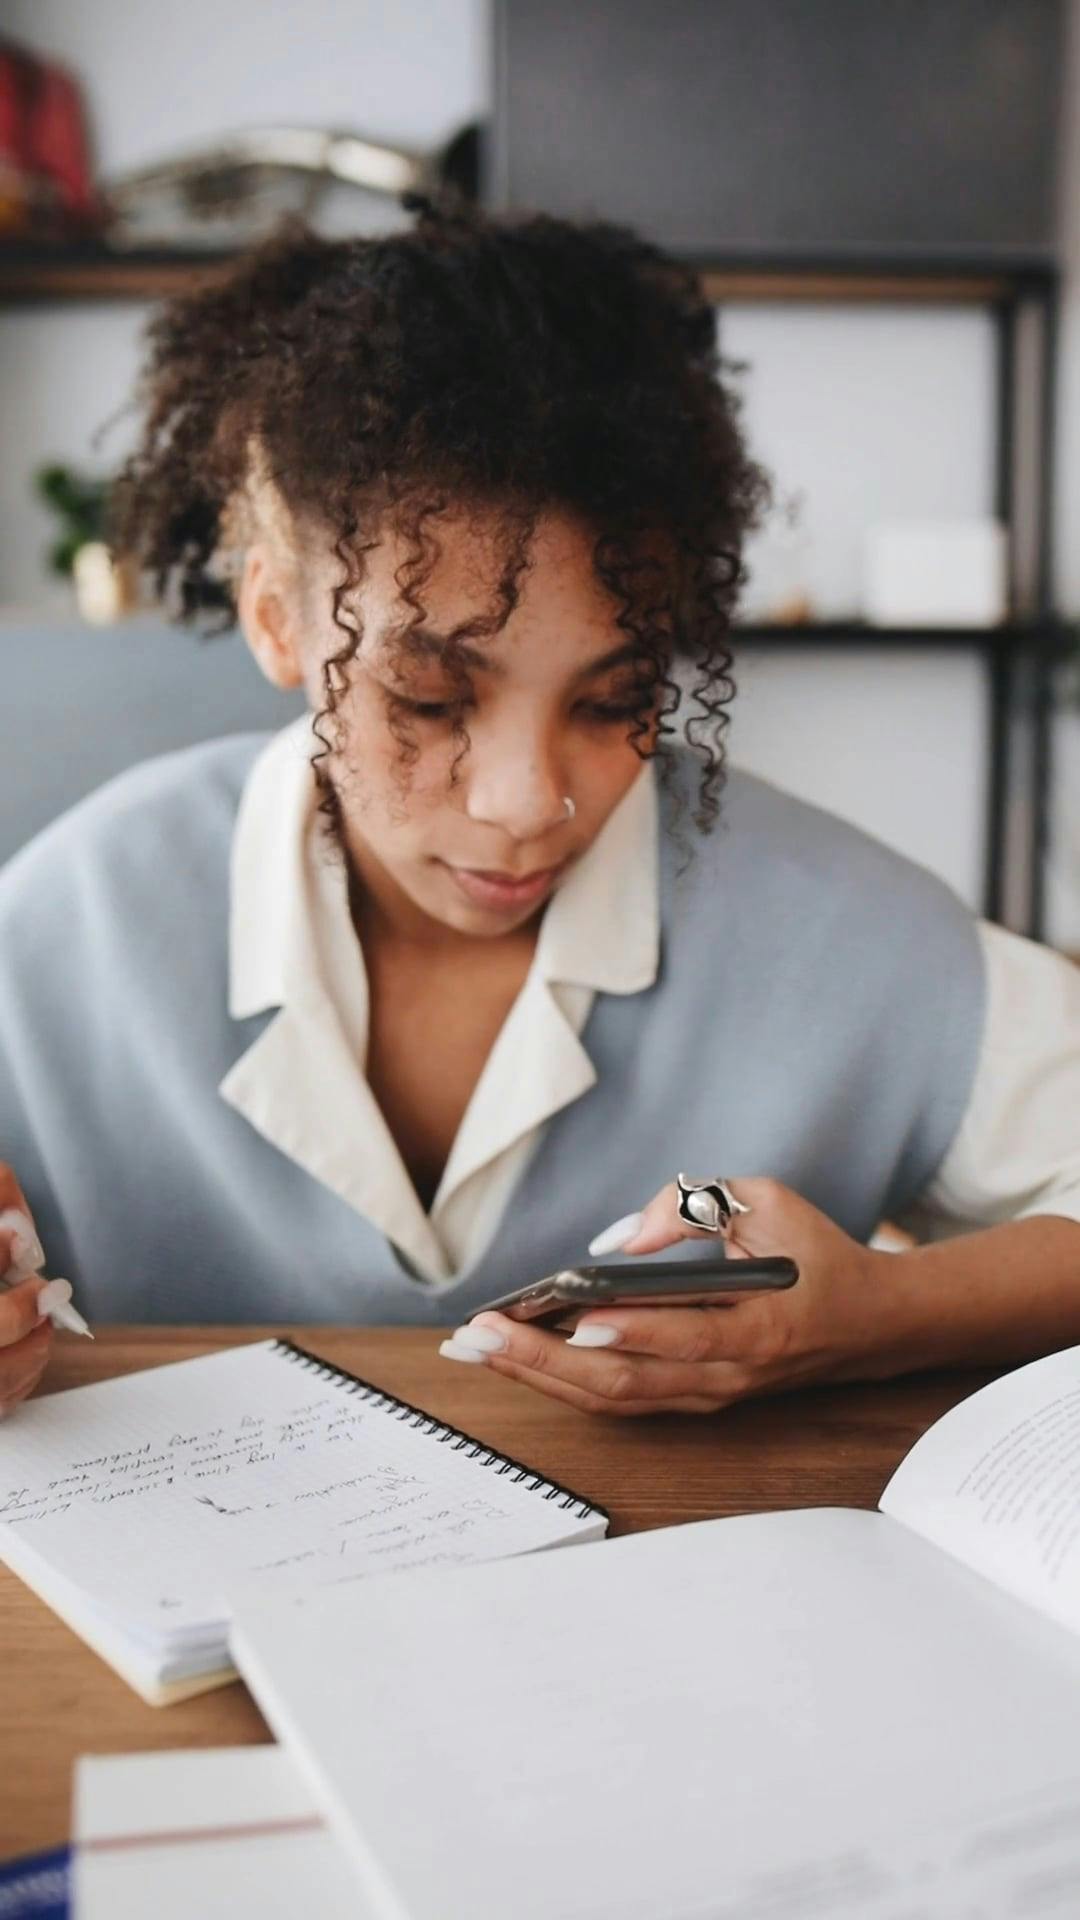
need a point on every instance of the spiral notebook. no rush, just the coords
(143, 1509)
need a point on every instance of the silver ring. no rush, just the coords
(569, 805)
(709, 1204)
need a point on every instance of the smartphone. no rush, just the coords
(659, 1283)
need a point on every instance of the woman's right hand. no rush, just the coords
(25, 1337)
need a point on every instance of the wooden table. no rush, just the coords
(834, 1447)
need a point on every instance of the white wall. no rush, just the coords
(863, 413)
(160, 77)
(64, 372)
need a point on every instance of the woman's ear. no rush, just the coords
(265, 610)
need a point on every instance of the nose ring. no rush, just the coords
(569, 805)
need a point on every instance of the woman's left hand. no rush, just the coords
(634, 1360)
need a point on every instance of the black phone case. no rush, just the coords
(579, 1288)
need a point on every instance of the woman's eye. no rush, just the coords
(426, 709)
(611, 711)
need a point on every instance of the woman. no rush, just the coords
(377, 1021)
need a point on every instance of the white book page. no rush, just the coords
(161, 1494)
(217, 1834)
(782, 1715)
(996, 1482)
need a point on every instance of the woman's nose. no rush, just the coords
(519, 789)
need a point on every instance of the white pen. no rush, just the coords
(27, 1259)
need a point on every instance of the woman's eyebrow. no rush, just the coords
(439, 646)
(617, 657)
(443, 646)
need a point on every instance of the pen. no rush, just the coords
(28, 1256)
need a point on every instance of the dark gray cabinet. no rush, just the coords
(785, 127)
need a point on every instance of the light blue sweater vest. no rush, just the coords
(817, 1016)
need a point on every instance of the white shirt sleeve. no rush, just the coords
(1017, 1151)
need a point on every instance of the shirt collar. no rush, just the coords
(268, 905)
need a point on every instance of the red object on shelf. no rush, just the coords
(45, 184)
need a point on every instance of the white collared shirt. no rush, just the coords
(302, 1084)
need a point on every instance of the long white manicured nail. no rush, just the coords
(450, 1350)
(592, 1334)
(480, 1339)
(27, 1252)
(56, 1293)
(615, 1237)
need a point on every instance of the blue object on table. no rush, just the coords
(37, 1887)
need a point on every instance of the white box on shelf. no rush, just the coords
(939, 573)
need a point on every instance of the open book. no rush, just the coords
(785, 1715)
(996, 1483)
(141, 1508)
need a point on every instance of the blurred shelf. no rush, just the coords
(866, 282)
(1052, 638)
(91, 270)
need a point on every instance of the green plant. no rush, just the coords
(79, 504)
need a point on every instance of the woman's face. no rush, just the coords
(548, 708)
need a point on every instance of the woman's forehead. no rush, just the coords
(458, 597)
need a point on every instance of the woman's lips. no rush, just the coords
(486, 889)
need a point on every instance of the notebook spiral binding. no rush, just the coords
(454, 1437)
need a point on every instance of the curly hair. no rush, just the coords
(517, 364)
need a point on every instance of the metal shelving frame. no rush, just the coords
(1019, 656)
